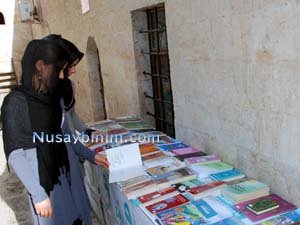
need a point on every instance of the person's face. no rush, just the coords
(72, 67)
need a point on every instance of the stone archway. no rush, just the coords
(95, 80)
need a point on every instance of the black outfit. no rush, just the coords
(44, 115)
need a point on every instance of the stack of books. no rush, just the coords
(246, 190)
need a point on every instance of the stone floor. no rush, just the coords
(14, 208)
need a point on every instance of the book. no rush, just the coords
(204, 190)
(203, 211)
(134, 125)
(153, 156)
(166, 164)
(246, 190)
(173, 177)
(184, 151)
(184, 186)
(167, 140)
(189, 155)
(141, 131)
(140, 189)
(284, 207)
(292, 217)
(202, 159)
(124, 162)
(148, 149)
(168, 203)
(227, 175)
(157, 196)
(172, 146)
(163, 161)
(133, 181)
(177, 149)
(204, 170)
(262, 206)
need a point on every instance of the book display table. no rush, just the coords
(179, 185)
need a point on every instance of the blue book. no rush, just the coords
(173, 146)
(229, 175)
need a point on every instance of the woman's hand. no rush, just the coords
(101, 160)
(44, 208)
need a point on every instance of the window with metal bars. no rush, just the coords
(159, 70)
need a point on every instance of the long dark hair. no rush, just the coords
(51, 54)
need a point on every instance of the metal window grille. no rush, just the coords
(160, 70)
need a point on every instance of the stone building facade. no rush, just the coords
(233, 66)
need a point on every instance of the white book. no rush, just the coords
(124, 162)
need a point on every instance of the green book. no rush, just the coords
(262, 206)
(218, 166)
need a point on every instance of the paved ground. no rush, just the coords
(14, 208)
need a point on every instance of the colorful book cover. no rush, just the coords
(227, 175)
(159, 170)
(187, 215)
(204, 211)
(189, 155)
(168, 203)
(203, 159)
(288, 218)
(284, 206)
(157, 194)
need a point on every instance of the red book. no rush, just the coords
(156, 196)
(205, 187)
(168, 203)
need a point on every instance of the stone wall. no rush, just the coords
(234, 68)
(234, 71)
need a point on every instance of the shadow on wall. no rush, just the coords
(2, 20)
(95, 80)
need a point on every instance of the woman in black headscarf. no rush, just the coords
(74, 56)
(47, 168)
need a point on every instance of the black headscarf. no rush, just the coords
(40, 112)
(73, 53)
